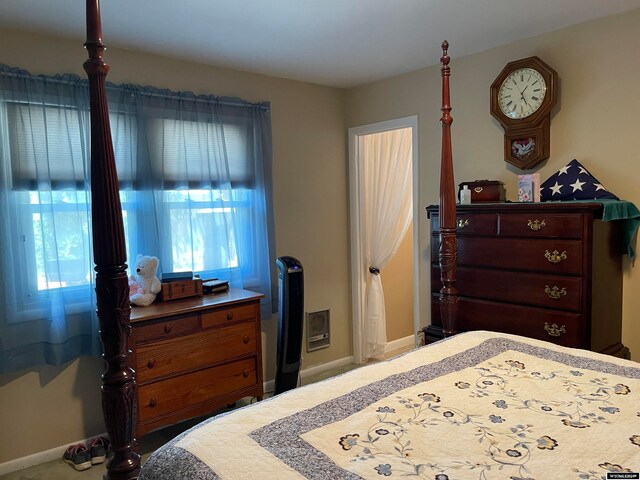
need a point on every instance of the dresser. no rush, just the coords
(551, 271)
(194, 356)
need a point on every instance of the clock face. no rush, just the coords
(522, 92)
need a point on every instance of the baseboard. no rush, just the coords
(325, 366)
(405, 342)
(40, 457)
(269, 386)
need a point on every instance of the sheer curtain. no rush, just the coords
(388, 211)
(195, 187)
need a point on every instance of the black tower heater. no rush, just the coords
(290, 318)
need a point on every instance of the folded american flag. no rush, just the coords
(573, 182)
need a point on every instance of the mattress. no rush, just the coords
(479, 405)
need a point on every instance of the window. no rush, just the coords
(207, 180)
(201, 176)
(49, 174)
(195, 191)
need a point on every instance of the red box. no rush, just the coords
(485, 191)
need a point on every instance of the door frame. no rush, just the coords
(356, 226)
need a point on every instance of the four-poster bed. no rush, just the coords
(424, 414)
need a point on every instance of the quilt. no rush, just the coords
(479, 405)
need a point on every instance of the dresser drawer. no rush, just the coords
(551, 291)
(164, 329)
(548, 255)
(187, 391)
(470, 224)
(192, 352)
(562, 328)
(539, 224)
(224, 316)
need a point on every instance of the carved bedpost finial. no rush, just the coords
(444, 59)
(448, 250)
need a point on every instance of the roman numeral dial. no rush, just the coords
(522, 93)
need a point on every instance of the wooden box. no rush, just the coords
(485, 191)
(180, 289)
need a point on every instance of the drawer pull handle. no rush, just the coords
(477, 189)
(151, 363)
(229, 315)
(554, 330)
(536, 225)
(555, 292)
(245, 373)
(245, 339)
(463, 223)
(153, 402)
(555, 257)
(167, 328)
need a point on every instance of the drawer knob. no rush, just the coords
(151, 363)
(245, 339)
(245, 373)
(555, 292)
(554, 330)
(536, 225)
(153, 402)
(477, 189)
(463, 223)
(555, 256)
(229, 315)
(167, 328)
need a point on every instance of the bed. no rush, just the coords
(475, 405)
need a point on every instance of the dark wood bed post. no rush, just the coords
(110, 256)
(448, 252)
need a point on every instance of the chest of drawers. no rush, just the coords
(194, 356)
(546, 271)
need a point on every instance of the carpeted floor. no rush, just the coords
(58, 470)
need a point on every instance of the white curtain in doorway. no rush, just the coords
(388, 210)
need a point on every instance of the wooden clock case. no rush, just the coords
(526, 140)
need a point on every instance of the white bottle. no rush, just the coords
(465, 195)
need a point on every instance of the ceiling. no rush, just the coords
(340, 43)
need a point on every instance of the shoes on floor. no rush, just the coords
(78, 457)
(81, 457)
(98, 449)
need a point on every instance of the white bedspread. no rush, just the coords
(477, 406)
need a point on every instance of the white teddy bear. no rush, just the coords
(144, 285)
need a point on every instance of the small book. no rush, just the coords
(215, 286)
(529, 188)
(176, 276)
(536, 187)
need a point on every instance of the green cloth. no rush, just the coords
(628, 213)
(621, 210)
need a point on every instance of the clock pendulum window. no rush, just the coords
(522, 97)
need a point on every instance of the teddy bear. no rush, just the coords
(144, 285)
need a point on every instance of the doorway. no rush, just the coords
(359, 271)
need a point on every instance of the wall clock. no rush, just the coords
(522, 97)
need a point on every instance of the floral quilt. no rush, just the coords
(479, 406)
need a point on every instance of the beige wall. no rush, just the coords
(46, 407)
(397, 282)
(596, 121)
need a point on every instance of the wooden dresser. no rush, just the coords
(194, 356)
(546, 271)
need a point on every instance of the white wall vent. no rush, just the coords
(318, 332)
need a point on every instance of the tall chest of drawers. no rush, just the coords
(194, 356)
(546, 271)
